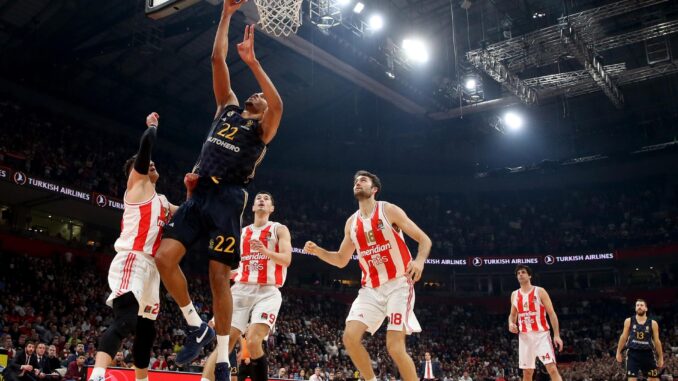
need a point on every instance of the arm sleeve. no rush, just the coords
(143, 160)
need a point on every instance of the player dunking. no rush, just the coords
(235, 145)
(266, 253)
(641, 338)
(133, 277)
(388, 275)
(529, 307)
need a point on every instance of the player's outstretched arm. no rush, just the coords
(139, 186)
(221, 79)
(623, 339)
(513, 316)
(273, 114)
(283, 256)
(336, 258)
(398, 217)
(657, 344)
(548, 305)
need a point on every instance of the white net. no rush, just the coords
(279, 17)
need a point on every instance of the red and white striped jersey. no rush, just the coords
(255, 267)
(142, 225)
(531, 311)
(382, 252)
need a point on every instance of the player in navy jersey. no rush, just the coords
(644, 349)
(211, 220)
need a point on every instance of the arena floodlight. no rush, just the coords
(157, 9)
(470, 84)
(513, 121)
(343, 3)
(359, 7)
(415, 50)
(375, 22)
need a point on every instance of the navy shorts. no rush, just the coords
(638, 361)
(211, 221)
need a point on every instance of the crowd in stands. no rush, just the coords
(503, 223)
(58, 305)
(644, 212)
(60, 149)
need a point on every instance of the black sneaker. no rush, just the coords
(196, 339)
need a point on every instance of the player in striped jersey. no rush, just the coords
(133, 277)
(266, 248)
(388, 275)
(529, 306)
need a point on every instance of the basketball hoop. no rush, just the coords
(279, 17)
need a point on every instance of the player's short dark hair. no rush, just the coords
(375, 179)
(641, 300)
(266, 193)
(127, 168)
(523, 267)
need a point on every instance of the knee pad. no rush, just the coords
(125, 310)
(143, 342)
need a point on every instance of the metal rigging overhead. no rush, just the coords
(581, 36)
(587, 57)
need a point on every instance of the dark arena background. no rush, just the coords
(535, 132)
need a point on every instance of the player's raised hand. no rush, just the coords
(414, 270)
(558, 342)
(310, 247)
(152, 119)
(230, 6)
(246, 47)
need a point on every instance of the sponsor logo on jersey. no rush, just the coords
(376, 249)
